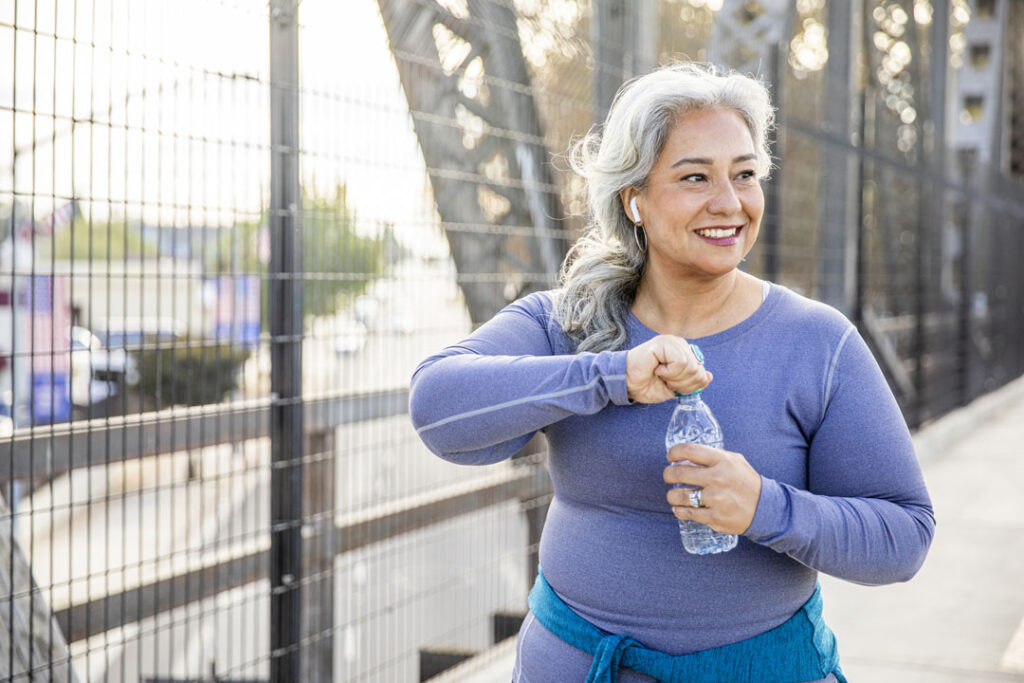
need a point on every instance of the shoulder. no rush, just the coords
(826, 334)
(809, 317)
(827, 346)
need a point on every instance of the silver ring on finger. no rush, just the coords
(695, 498)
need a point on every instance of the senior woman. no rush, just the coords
(817, 474)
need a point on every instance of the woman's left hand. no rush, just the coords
(730, 487)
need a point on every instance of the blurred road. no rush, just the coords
(420, 312)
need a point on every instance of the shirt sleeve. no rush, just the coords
(866, 516)
(480, 401)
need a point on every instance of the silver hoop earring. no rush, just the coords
(637, 231)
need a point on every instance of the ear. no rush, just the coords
(630, 205)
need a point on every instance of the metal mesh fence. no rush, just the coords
(231, 230)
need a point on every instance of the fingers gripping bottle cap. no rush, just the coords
(699, 355)
(693, 422)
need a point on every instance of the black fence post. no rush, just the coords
(939, 200)
(319, 550)
(773, 186)
(285, 306)
(837, 264)
(973, 226)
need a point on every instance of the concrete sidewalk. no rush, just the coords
(962, 617)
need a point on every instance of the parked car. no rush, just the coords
(366, 309)
(97, 370)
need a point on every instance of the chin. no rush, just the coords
(722, 267)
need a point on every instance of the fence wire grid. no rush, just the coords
(229, 232)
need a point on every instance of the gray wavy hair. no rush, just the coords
(602, 271)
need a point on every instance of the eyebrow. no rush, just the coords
(707, 162)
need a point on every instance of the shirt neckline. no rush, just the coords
(770, 301)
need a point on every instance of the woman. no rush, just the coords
(818, 473)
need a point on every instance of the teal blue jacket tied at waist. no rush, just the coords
(802, 648)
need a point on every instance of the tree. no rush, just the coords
(89, 239)
(339, 261)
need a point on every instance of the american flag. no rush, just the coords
(57, 220)
(50, 224)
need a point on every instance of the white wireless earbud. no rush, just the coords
(636, 211)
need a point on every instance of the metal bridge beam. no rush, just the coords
(745, 33)
(497, 197)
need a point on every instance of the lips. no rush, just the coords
(720, 236)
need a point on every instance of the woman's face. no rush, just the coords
(703, 203)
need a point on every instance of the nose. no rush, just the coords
(725, 199)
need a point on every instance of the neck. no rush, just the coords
(695, 308)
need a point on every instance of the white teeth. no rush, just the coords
(717, 233)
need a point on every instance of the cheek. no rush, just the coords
(753, 206)
(755, 210)
(750, 240)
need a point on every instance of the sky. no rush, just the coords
(177, 93)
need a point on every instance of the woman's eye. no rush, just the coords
(747, 175)
(693, 177)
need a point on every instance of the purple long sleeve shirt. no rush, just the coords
(796, 391)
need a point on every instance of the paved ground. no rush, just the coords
(961, 619)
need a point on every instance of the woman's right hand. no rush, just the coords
(658, 368)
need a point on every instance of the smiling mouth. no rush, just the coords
(720, 235)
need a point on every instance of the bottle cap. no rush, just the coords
(698, 354)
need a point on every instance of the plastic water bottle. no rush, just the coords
(693, 422)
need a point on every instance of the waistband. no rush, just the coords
(802, 648)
